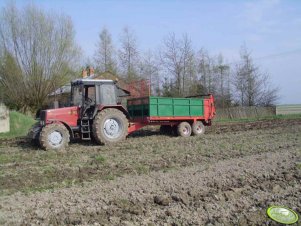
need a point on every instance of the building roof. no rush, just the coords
(103, 77)
(67, 88)
(61, 90)
(85, 81)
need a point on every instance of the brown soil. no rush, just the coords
(227, 177)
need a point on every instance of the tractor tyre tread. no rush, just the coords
(43, 140)
(97, 126)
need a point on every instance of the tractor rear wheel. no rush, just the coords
(198, 128)
(54, 137)
(110, 126)
(184, 129)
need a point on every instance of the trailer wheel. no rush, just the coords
(198, 128)
(110, 126)
(184, 129)
(54, 137)
(165, 129)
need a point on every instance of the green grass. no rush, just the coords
(142, 169)
(4, 159)
(19, 125)
(293, 116)
(99, 158)
(109, 177)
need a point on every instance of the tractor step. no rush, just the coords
(85, 129)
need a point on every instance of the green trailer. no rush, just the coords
(188, 115)
(165, 107)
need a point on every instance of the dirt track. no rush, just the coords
(228, 177)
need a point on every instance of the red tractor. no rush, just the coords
(96, 112)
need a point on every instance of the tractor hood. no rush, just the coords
(67, 115)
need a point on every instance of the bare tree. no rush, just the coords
(171, 56)
(105, 54)
(269, 94)
(128, 54)
(41, 48)
(222, 81)
(246, 79)
(205, 70)
(149, 69)
(178, 58)
(252, 86)
(189, 81)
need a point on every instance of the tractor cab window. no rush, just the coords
(108, 94)
(76, 95)
(90, 94)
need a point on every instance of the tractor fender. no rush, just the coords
(65, 124)
(34, 131)
(119, 107)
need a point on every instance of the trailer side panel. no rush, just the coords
(165, 107)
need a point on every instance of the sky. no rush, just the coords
(271, 29)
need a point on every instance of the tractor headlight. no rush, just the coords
(42, 122)
(43, 117)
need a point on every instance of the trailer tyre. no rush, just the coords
(54, 137)
(198, 128)
(184, 129)
(110, 126)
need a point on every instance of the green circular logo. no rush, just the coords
(282, 214)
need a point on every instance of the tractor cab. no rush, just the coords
(93, 92)
(89, 94)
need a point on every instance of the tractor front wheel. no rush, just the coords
(184, 129)
(54, 137)
(110, 126)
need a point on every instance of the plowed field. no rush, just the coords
(229, 176)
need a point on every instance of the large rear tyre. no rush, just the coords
(184, 129)
(198, 128)
(110, 126)
(54, 137)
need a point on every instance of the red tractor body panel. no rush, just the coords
(67, 115)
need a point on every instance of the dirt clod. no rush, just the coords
(163, 201)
